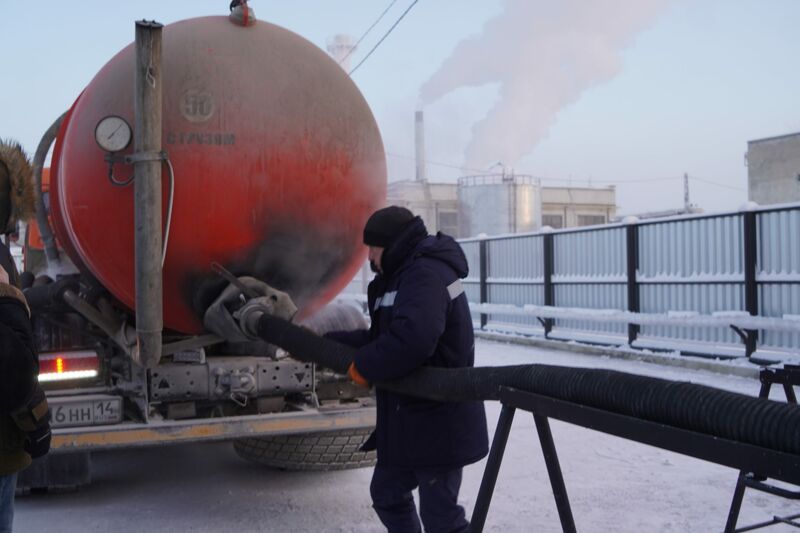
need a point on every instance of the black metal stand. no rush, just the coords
(747, 457)
(789, 376)
(492, 468)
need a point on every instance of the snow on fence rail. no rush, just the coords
(739, 319)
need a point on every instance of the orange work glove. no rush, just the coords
(356, 376)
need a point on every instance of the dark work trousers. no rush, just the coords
(438, 500)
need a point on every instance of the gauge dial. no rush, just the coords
(113, 134)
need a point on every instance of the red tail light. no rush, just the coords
(59, 366)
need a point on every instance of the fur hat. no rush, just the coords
(17, 198)
(385, 225)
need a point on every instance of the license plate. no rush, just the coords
(85, 411)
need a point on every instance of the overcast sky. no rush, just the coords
(626, 92)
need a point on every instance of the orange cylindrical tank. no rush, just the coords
(277, 163)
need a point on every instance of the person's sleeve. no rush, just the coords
(418, 320)
(18, 362)
(356, 338)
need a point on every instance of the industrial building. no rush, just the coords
(773, 169)
(436, 203)
(495, 204)
(569, 207)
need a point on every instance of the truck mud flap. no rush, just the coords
(56, 473)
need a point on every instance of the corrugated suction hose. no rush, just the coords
(765, 423)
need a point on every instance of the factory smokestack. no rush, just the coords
(419, 144)
(341, 47)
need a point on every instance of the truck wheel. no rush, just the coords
(333, 450)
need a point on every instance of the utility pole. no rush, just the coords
(686, 203)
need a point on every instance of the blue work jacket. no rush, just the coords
(420, 317)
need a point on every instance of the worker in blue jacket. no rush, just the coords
(420, 317)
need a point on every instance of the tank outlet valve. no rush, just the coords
(242, 14)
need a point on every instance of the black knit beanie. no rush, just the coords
(385, 225)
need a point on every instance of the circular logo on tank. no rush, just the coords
(197, 105)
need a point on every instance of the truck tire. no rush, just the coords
(333, 450)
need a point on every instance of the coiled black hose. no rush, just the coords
(737, 417)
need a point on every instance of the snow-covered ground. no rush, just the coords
(614, 485)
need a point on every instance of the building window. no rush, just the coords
(554, 221)
(447, 222)
(591, 220)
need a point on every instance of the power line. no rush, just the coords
(619, 182)
(560, 180)
(438, 164)
(353, 49)
(717, 184)
(384, 36)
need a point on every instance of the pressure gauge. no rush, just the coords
(113, 134)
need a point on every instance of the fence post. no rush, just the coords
(549, 292)
(632, 250)
(750, 268)
(484, 268)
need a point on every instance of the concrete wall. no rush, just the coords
(773, 170)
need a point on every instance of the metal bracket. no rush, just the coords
(314, 399)
(191, 343)
(741, 333)
(131, 159)
(137, 157)
(238, 382)
(140, 157)
(749, 337)
(239, 398)
(117, 331)
(543, 322)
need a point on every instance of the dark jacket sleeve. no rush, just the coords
(18, 362)
(356, 338)
(418, 320)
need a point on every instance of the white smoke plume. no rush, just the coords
(544, 54)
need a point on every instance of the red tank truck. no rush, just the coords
(271, 161)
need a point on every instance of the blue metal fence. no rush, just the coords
(746, 261)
